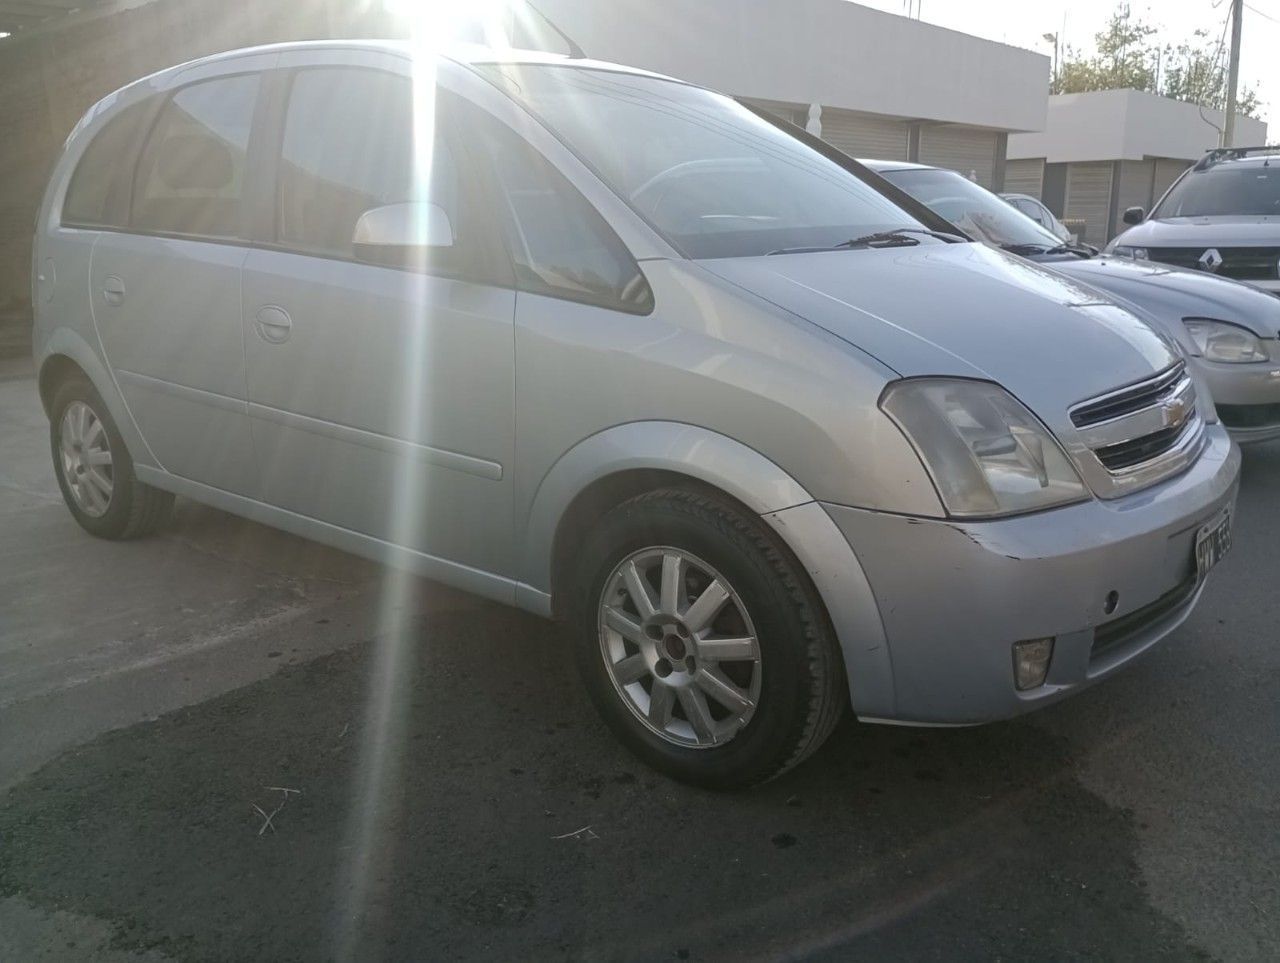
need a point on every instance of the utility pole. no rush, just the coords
(1233, 74)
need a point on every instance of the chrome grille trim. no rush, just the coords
(1140, 434)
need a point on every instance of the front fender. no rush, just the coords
(758, 483)
(68, 343)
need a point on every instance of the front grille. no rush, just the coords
(1238, 263)
(1128, 454)
(1249, 416)
(1111, 635)
(1142, 432)
(1126, 401)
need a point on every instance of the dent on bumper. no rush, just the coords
(953, 597)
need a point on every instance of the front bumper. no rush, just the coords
(1247, 396)
(954, 596)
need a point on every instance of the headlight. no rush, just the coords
(1124, 250)
(1219, 341)
(986, 453)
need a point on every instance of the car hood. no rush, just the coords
(964, 310)
(1171, 294)
(1223, 230)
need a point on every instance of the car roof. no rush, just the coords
(468, 55)
(891, 165)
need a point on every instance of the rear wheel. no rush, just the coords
(95, 471)
(701, 641)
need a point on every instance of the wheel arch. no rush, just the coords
(608, 468)
(66, 354)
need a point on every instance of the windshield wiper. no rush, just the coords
(1025, 250)
(897, 237)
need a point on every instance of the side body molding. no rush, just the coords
(758, 483)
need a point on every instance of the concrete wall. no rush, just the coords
(829, 52)
(1126, 125)
(51, 76)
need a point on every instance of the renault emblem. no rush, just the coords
(1211, 260)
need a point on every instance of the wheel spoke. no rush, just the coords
(728, 649)
(93, 432)
(672, 580)
(621, 623)
(99, 481)
(82, 422)
(661, 700)
(90, 494)
(706, 607)
(695, 708)
(723, 691)
(638, 589)
(99, 456)
(631, 669)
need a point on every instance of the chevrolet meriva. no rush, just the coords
(615, 348)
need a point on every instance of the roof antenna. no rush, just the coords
(575, 52)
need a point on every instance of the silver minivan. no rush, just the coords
(620, 350)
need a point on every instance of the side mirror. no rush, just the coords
(400, 233)
(1134, 215)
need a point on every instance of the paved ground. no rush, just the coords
(150, 693)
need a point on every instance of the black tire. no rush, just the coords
(134, 509)
(803, 688)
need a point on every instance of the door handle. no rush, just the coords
(113, 290)
(274, 324)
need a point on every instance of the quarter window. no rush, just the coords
(191, 179)
(93, 197)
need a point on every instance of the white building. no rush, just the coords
(1100, 153)
(872, 83)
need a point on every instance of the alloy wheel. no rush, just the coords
(679, 647)
(86, 459)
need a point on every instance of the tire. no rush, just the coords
(104, 495)
(770, 640)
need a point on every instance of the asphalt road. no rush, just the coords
(457, 798)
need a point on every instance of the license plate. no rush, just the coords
(1213, 541)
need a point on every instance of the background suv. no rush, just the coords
(1222, 216)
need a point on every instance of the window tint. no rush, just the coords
(559, 243)
(348, 147)
(191, 178)
(98, 179)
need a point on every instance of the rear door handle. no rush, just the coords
(113, 290)
(274, 324)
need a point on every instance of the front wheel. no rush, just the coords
(95, 471)
(702, 642)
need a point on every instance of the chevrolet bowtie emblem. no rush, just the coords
(1211, 260)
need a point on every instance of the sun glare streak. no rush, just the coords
(377, 780)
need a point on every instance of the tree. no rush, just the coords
(1126, 58)
(1192, 74)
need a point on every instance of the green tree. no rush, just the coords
(1127, 58)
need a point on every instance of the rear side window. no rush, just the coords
(191, 178)
(95, 195)
(559, 244)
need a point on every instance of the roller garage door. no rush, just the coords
(1024, 176)
(1089, 199)
(963, 149)
(865, 135)
(1167, 172)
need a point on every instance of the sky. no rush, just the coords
(1024, 22)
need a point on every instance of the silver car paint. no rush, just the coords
(758, 378)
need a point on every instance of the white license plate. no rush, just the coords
(1213, 541)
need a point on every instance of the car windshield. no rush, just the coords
(1224, 190)
(972, 208)
(709, 175)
